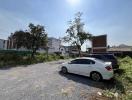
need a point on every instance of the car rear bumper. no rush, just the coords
(108, 76)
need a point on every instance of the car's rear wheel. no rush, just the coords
(64, 70)
(96, 76)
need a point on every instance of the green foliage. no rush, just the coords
(22, 53)
(22, 39)
(40, 57)
(32, 39)
(62, 57)
(76, 34)
(52, 57)
(123, 80)
(38, 37)
(13, 58)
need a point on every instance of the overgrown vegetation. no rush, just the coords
(76, 35)
(122, 84)
(13, 58)
(32, 39)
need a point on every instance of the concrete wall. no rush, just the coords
(3, 44)
(54, 45)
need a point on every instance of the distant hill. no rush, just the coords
(124, 45)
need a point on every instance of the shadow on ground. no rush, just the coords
(87, 81)
(104, 84)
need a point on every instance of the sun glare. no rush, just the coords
(73, 2)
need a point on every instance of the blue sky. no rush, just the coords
(111, 17)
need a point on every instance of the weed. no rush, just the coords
(122, 81)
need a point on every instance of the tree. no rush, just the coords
(76, 34)
(38, 37)
(32, 39)
(21, 39)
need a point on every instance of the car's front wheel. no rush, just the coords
(96, 76)
(64, 70)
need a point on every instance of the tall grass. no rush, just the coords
(8, 59)
(122, 89)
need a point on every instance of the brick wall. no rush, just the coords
(99, 44)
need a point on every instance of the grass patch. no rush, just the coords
(122, 84)
(14, 58)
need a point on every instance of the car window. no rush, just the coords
(97, 56)
(76, 61)
(82, 61)
(100, 60)
(109, 56)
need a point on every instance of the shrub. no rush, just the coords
(123, 80)
(13, 58)
(21, 53)
(40, 58)
(62, 57)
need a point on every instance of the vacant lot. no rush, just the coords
(44, 82)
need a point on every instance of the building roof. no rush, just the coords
(120, 48)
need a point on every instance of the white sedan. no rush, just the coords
(87, 66)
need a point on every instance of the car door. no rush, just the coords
(74, 66)
(86, 66)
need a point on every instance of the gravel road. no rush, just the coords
(44, 82)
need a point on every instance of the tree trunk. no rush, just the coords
(34, 51)
(47, 52)
(79, 51)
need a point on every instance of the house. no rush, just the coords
(99, 44)
(11, 42)
(3, 44)
(121, 50)
(54, 45)
(68, 50)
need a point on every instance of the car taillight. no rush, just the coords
(109, 68)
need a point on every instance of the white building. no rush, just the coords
(68, 50)
(64, 51)
(3, 44)
(54, 45)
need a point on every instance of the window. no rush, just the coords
(61, 49)
(82, 61)
(109, 56)
(97, 56)
(77, 61)
(86, 61)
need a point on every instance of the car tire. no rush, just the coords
(96, 76)
(64, 70)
